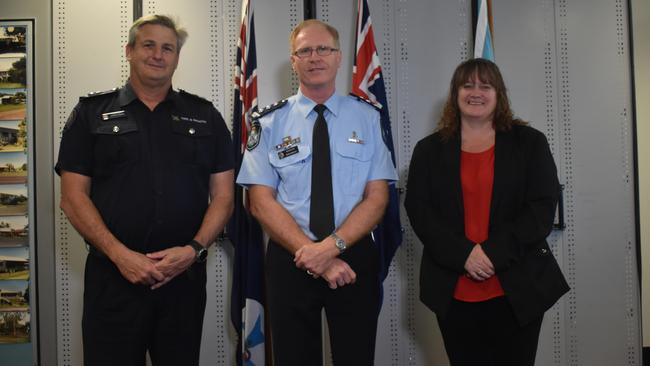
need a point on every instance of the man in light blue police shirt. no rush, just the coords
(336, 269)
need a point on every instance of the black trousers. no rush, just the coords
(122, 321)
(296, 299)
(486, 333)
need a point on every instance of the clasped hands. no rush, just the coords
(154, 269)
(320, 260)
(478, 266)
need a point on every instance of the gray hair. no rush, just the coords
(163, 20)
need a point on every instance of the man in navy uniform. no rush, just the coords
(147, 180)
(317, 170)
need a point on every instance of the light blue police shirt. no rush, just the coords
(282, 159)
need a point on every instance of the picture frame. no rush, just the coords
(16, 183)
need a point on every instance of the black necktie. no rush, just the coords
(321, 212)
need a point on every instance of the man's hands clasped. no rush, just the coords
(154, 269)
(320, 260)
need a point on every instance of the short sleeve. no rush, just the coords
(256, 167)
(382, 163)
(223, 141)
(76, 149)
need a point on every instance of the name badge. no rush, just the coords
(112, 115)
(288, 152)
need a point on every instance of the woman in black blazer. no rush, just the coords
(481, 197)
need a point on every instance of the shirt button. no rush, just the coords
(116, 129)
(191, 131)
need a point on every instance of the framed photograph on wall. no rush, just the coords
(16, 179)
(14, 312)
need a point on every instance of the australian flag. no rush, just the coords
(247, 307)
(368, 83)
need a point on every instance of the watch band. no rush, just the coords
(200, 250)
(341, 245)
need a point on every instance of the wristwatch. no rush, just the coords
(200, 250)
(340, 243)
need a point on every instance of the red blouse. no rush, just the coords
(477, 178)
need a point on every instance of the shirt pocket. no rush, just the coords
(117, 142)
(353, 167)
(294, 172)
(195, 143)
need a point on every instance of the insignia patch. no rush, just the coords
(268, 109)
(187, 119)
(374, 104)
(286, 142)
(99, 93)
(254, 136)
(102, 92)
(355, 139)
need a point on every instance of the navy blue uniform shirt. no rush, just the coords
(150, 170)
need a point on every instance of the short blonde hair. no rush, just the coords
(155, 19)
(311, 22)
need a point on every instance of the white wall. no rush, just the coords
(641, 30)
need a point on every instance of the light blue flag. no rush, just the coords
(483, 47)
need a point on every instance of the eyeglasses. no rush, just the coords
(320, 51)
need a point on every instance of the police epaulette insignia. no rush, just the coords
(268, 109)
(183, 92)
(98, 93)
(377, 106)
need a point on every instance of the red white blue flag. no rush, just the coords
(245, 233)
(368, 83)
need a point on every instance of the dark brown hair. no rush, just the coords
(487, 72)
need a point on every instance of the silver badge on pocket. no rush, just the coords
(355, 139)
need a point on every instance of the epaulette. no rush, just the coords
(268, 109)
(201, 99)
(377, 106)
(98, 93)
